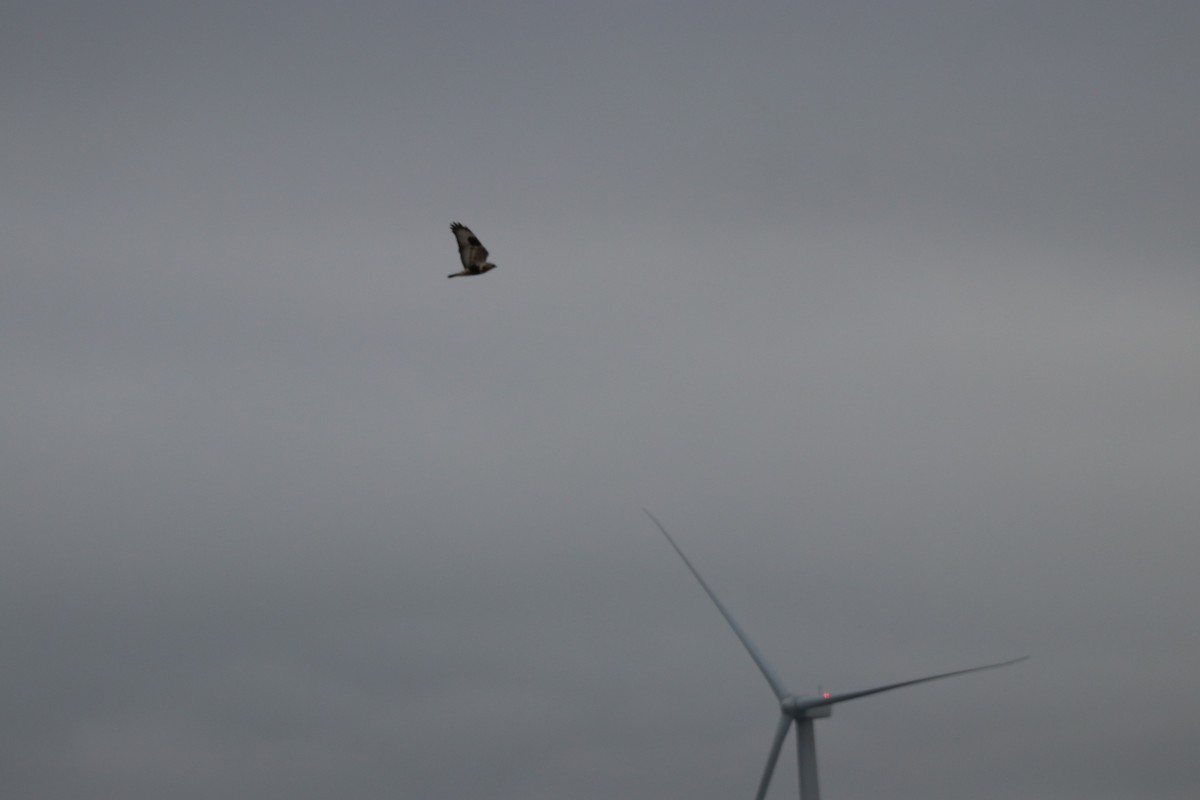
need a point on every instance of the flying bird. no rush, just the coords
(473, 254)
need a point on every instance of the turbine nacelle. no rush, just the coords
(806, 707)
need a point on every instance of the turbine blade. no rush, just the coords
(781, 729)
(765, 668)
(841, 698)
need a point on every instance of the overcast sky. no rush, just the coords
(889, 311)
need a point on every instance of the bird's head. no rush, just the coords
(485, 266)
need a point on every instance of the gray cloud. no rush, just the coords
(889, 315)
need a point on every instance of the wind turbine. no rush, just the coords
(800, 710)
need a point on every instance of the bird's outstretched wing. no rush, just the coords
(470, 250)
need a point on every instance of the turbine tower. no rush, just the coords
(800, 710)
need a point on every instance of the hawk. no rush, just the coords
(473, 254)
